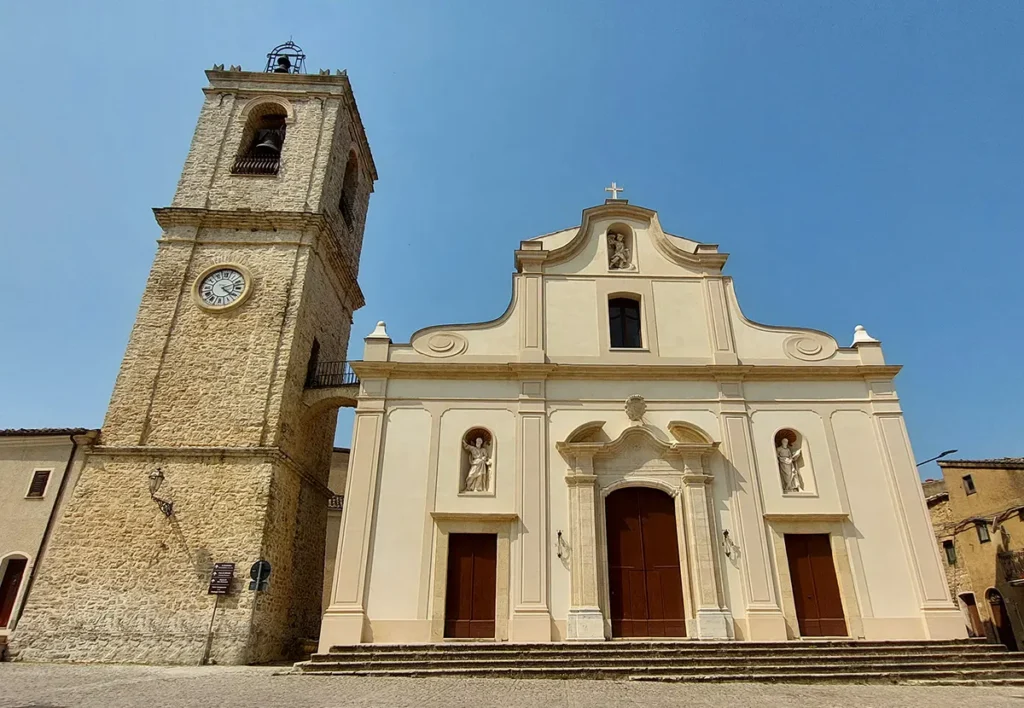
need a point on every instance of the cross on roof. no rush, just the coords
(614, 189)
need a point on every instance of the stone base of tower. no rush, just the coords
(122, 582)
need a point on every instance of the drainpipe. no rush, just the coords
(90, 438)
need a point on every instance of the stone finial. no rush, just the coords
(235, 67)
(379, 332)
(861, 335)
(218, 67)
(635, 408)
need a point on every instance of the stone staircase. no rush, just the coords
(828, 661)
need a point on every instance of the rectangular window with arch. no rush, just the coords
(950, 550)
(40, 478)
(982, 528)
(969, 484)
(624, 323)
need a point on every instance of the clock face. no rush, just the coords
(221, 288)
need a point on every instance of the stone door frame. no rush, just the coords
(680, 467)
(446, 523)
(832, 524)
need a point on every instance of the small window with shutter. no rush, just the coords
(39, 480)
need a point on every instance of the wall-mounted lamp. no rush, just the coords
(728, 545)
(156, 479)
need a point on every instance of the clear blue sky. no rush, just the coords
(861, 161)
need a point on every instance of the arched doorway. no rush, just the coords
(1001, 619)
(12, 570)
(969, 607)
(644, 578)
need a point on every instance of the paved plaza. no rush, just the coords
(70, 686)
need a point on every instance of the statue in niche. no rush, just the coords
(618, 252)
(477, 471)
(789, 457)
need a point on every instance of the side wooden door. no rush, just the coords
(470, 595)
(819, 607)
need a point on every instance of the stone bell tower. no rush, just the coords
(208, 452)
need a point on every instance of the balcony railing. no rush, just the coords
(327, 374)
(256, 165)
(336, 503)
(1013, 566)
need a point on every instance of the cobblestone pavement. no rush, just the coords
(67, 686)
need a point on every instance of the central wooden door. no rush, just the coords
(819, 608)
(644, 579)
(470, 598)
(9, 588)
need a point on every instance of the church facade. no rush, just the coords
(623, 454)
(620, 454)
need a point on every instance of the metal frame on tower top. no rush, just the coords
(287, 58)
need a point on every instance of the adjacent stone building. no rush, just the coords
(978, 514)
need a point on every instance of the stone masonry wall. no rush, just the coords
(122, 582)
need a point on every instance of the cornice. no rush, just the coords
(1013, 463)
(247, 220)
(806, 517)
(472, 516)
(515, 371)
(614, 447)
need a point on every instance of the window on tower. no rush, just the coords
(262, 142)
(349, 187)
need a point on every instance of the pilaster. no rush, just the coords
(531, 616)
(764, 618)
(585, 618)
(713, 621)
(345, 621)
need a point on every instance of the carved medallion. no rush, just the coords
(441, 344)
(809, 347)
(635, 408)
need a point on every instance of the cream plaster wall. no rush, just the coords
(682, 319)
(572, 319)
(397, 540)
(875, 520)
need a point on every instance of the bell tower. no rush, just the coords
(254, 279)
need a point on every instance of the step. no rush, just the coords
(737, 655)
(785, 675)
(916, 664)
(660, 647)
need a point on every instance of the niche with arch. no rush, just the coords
(476, 471)
(794, 463)
(259, 149)
(620, 242)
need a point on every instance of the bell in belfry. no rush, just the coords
(284, 65)
(268, 142)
